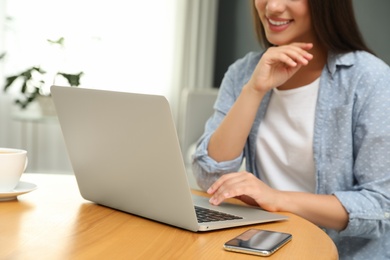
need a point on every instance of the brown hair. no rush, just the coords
(334, 25)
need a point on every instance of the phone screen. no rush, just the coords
(258, 242)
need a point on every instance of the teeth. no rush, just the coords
(277, 23)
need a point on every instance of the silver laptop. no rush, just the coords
(125, 154)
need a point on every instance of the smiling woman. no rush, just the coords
(307, 115)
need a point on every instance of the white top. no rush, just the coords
(285, 140)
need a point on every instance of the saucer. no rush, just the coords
(21, 188)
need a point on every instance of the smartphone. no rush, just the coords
(258, 242)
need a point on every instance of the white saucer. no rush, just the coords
(21, 188)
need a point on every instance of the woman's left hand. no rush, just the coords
(321, 209)
(246, 187)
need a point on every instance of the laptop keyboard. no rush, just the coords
(208, 215)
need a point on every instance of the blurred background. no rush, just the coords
(164, 47)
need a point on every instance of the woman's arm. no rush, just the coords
(229, 139)
(276, 66)
(323, 210)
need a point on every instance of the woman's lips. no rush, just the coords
(278, 25)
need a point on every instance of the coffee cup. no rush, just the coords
(13, 163)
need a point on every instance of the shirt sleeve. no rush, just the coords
(368, 202)
(205, 169)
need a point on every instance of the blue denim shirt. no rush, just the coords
(351, 145)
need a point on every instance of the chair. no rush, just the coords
(196, 107)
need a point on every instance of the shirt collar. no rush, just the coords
(339, 60)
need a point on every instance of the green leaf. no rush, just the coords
(60, 41)
(24, 87)
(73, 79)
(9, 81)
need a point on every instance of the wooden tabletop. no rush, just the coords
(55, 222)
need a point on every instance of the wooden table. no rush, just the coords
(54, 222)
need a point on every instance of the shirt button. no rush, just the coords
(387, 215)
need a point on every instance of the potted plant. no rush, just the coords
(31, 82)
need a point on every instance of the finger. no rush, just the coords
(226, 193)
(215, 186)
(298, 55)
(217, 199)
(230, 188)
(301, 48)
(288, 60)
(302, 45)
(289, 55)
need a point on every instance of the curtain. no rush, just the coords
(195, 67)
(199, 26)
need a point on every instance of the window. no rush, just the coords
(119, 45)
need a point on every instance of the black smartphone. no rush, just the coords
(258, 242)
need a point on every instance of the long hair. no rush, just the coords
(334, 24)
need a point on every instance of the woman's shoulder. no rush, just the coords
(238, 73)
(364, 62)
(248, 61)
(366, 74)
(242, 69)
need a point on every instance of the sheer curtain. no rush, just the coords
(199, 31)
(155, 46)
(196, 61)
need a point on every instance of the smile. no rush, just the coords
(279, 23)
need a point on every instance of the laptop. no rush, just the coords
(125, 154)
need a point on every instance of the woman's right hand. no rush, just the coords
(278, 64)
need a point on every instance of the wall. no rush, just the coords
(373, 18)
(235, 35)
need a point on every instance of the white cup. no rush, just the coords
(13, 163)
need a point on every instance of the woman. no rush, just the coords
(310, 116)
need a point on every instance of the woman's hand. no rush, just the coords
(278, 64)
(321, 209)
(246, 187)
